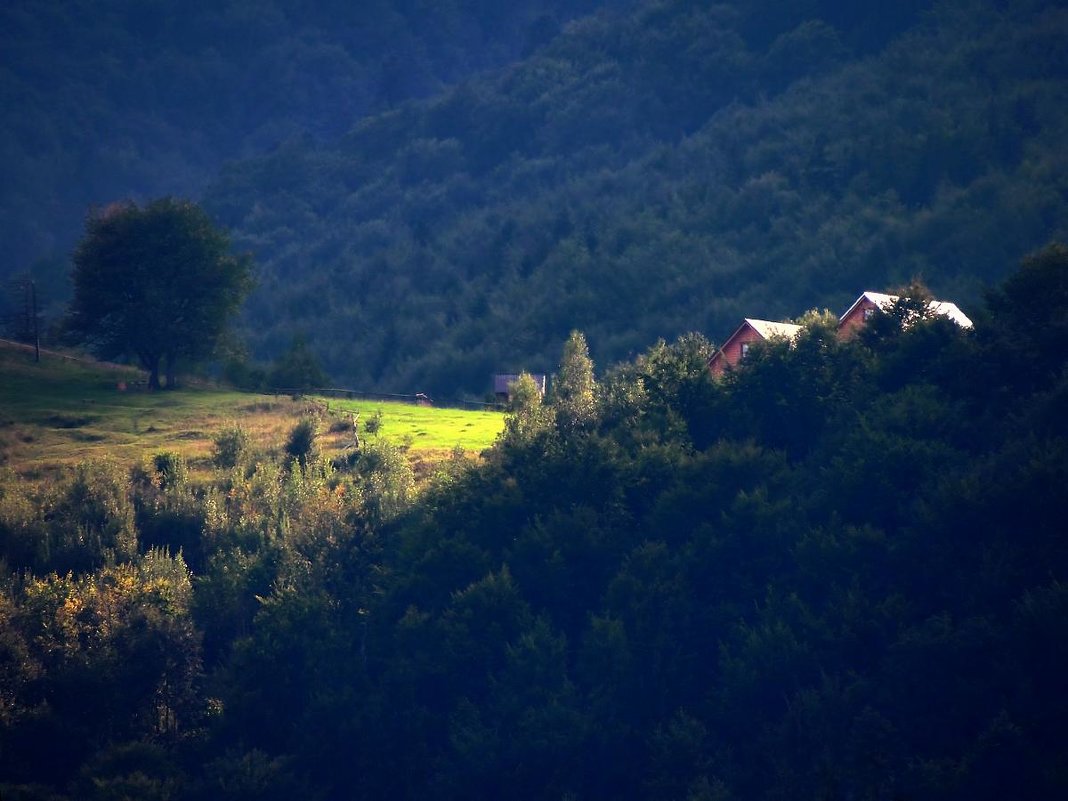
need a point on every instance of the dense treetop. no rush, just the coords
(157, 281)
(643, 169)
(838, 572)
(673, 168)
(102, 100)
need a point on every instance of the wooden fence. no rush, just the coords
(416, 399)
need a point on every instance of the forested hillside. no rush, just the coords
(102, 100)
(435, 192)
(668, 169)
(838, 573)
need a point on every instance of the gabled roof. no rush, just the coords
(764, 328)
(768, 329)
(943, 308)
(950, 310)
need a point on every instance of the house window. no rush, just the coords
(745, 349)
(868, 312)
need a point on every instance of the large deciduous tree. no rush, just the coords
(158, 281)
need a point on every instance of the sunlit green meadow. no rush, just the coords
(62, 412)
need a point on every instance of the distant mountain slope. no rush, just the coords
(103, 99)
(666, 170)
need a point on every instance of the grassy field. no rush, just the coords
(61, 412)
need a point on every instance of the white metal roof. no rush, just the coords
(768, 329)
(950, 310)
(942, 308)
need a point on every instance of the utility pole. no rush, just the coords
(18, 299)
(36, 330)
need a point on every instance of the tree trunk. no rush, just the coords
(171, 381)
(153, 374)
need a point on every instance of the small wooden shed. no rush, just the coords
(502, 384)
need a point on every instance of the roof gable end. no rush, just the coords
(880, 299)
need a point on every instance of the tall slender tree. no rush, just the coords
(574, 385)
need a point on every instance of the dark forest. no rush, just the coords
(642, 171)
(838, 572)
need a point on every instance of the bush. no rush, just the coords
(23, 542)
(374, 423)
(301, 442)
(92, 520)
(230, 447)
(170, 469)
(340, 427)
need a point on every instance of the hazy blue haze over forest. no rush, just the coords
(106, 99)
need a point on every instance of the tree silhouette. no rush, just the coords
(157, 281)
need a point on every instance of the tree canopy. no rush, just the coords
(656, 167)
(837, 572)
(674, 167)
(98, 97)
(158, 281)
(573, 385)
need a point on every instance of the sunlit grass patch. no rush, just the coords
(58, 413)
(429, 427)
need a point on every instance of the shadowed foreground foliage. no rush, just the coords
(837, 573)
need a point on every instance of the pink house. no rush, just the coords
(869, 302)
(737, 345)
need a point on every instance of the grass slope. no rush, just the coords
(64, 411)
